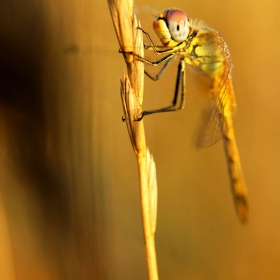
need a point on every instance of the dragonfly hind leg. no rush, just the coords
(179, 80)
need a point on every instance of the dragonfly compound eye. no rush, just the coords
(178, 25)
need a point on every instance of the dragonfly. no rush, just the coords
(205, 50)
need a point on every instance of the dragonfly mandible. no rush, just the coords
(205, 50)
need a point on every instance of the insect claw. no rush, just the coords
(121, 51)
(146, 46)
(140, 118)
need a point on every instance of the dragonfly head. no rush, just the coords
(172, 25)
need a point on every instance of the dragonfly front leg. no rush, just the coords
(156, 49)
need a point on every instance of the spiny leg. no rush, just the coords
(180, 78)
(155, 48)
(159, 74)
(149, 62)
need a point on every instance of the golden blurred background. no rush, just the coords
(69, 197)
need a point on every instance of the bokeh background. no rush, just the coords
(69, 195)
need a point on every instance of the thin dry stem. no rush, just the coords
(131, 40)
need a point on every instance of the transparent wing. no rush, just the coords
(214, 125)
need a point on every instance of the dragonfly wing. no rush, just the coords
(213, 127)
(209, 54)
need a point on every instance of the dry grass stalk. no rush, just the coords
(131, 40)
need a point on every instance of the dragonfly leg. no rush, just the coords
(149, 62)
(158, 75)
(179, 80)
(157, 50)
